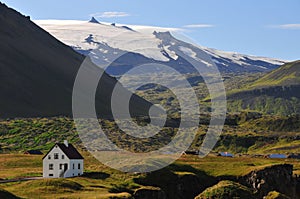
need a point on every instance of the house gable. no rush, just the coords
(53, 150)
(70, 151)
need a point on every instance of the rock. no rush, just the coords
(94, 20)
(178, 185)
(274, 178)
(188, 185)
(149, 193)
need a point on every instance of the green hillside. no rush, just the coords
(243, 133)
(287, 75)
(226, 190)
(278, 92)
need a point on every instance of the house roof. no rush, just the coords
(70, 151)
(33, 152)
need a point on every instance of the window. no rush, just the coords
(73, 166)
(61, 166)
(55, 156)
(50, 166)
(49, 157)
(50, 174)
(78, 165)
(62, 156)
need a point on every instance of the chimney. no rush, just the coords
(66, 143)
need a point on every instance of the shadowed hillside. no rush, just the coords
(37, 72)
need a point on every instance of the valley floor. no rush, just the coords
(102, 182)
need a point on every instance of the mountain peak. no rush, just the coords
(163, 35)
(94, 20)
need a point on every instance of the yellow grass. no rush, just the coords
(16, 165)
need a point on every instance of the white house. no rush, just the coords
(62, 161)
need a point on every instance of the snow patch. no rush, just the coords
(171, 53)
(75, 33)
(189, 52)
(85, 37)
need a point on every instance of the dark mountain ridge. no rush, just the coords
(37, 72)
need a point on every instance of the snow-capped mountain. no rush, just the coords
(142, 44)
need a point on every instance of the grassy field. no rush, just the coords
(245, 133)
(103, 182)
(222, 166)
(98, 180)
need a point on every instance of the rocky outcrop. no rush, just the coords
(178, 185)
(149, 193)
(274, 178)
(188, 185)
(275, 181)
(94, 20)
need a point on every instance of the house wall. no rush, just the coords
(56, 162)
(55, 173)
(74, 172)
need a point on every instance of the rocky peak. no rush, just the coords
(94, 20)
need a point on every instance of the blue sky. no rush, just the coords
(258, 27)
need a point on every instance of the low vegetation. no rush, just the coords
(189, 172)
(276, 195)
(246, 132)
(226, 190)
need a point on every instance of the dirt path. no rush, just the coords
(20, 179)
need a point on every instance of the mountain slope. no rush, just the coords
(278, 92)
(287, 75)
(158, 47)
(37, 72)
